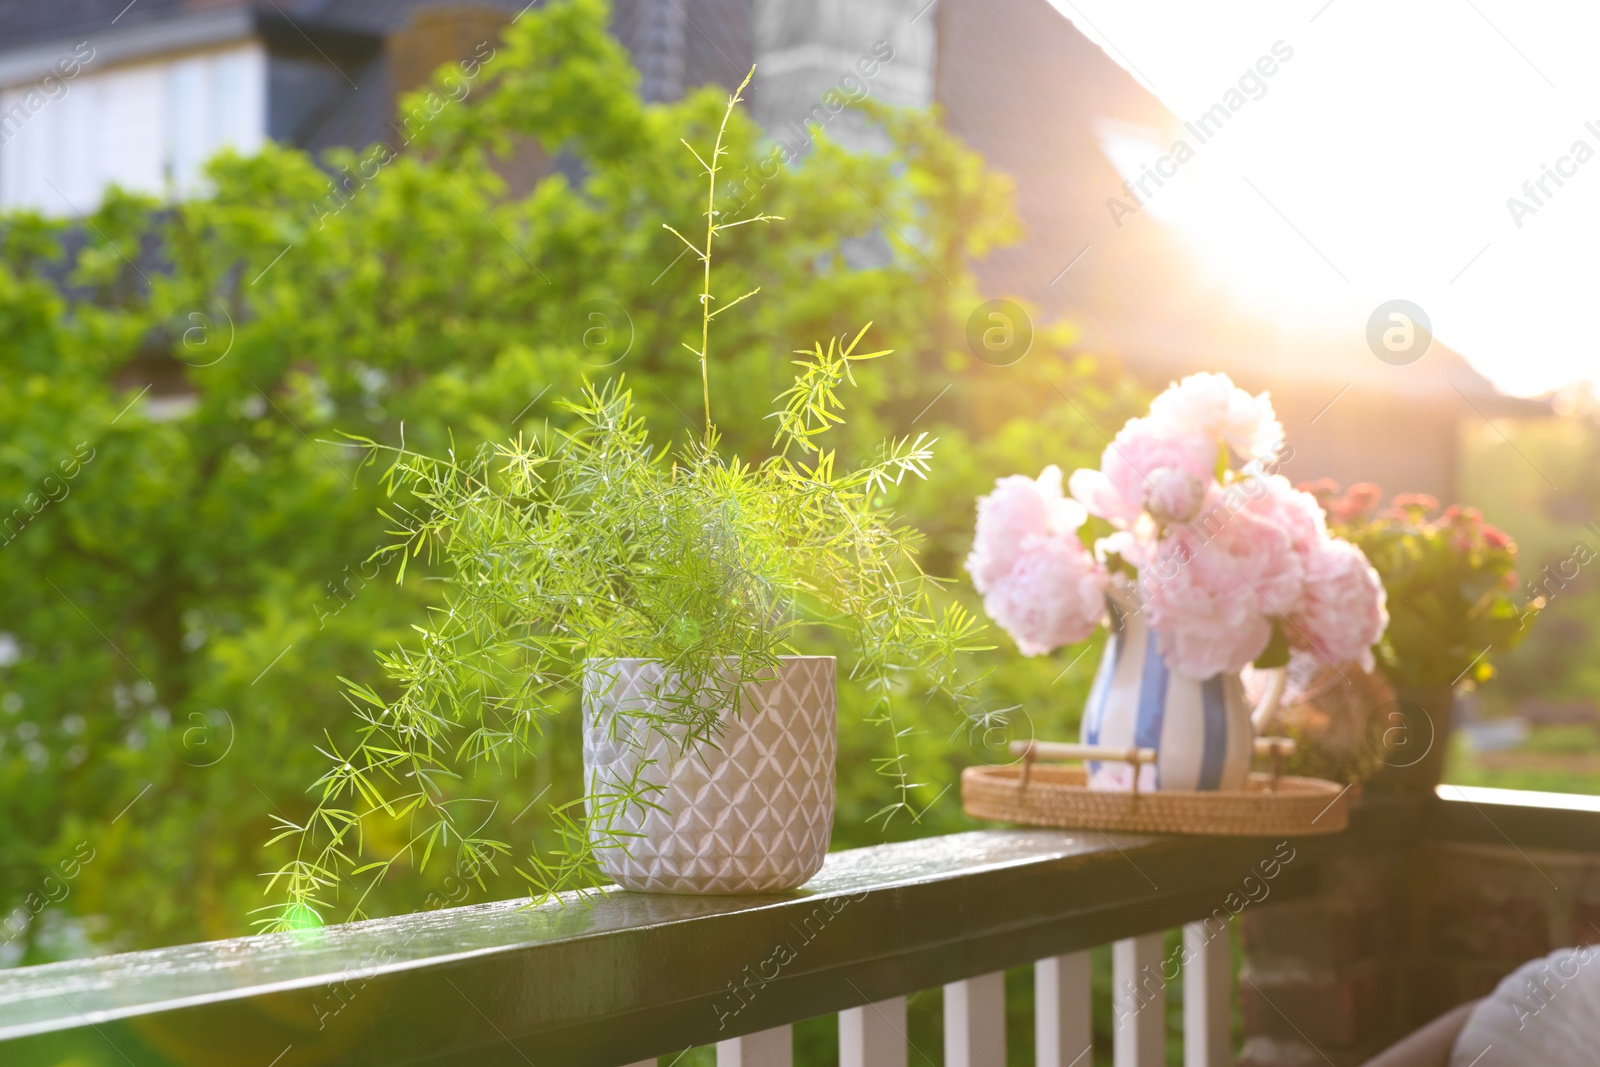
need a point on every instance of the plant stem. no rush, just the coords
(705, 257)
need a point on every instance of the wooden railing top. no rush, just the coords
(624, 976)
(1518, 798)
(1526, 819)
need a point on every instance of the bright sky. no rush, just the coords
(1391, 141)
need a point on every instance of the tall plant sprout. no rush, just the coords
(591, 542)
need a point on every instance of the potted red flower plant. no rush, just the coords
(1450, 579)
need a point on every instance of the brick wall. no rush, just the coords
(1392, 940)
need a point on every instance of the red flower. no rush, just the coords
(1358, 502)
(1323, 489)
(1364, 493)
(1423, 502)
(1494, 537)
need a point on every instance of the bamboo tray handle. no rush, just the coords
(1062, 750)
(1275, 747)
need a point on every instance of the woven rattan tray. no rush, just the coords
(1045, 794)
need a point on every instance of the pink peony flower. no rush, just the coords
(1054, 595)
(1175, 495)
(1019, 508)
(1133, 546)
(1211, 587)
(1218, 564)
(1272, 497)
(1345, 609)
(1141, 460)
(1340, 613)
(1094, 491)
(1210, 405)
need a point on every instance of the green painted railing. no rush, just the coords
(626, 977)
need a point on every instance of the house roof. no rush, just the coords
(715, 34)
(678, 44)
(166, 26)
(28, 22)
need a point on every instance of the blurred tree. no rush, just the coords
(184, 536)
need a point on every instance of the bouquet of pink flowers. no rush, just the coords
(1232, 564)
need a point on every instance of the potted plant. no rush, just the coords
(1450, 579)
(1207, 561)
(666, 589)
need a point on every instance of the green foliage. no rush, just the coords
(1553, 759)
(1539, 479)
(185, 600)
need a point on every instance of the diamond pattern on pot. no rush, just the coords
(751, 812)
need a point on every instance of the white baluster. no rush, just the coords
(1138, 1003)
(975, 1022)
(873, 1035)
(1207, 998)
(769, 1048)
(1062, 1035)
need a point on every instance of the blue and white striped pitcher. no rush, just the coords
(1201, 730)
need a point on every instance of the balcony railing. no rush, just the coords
(623, 978)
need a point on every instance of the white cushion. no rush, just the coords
(1546, 1012)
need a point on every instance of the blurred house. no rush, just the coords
(157, 86)
(1017, 81)
(143, 93)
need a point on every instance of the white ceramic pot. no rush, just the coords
(1201, 729)
(751, 812)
